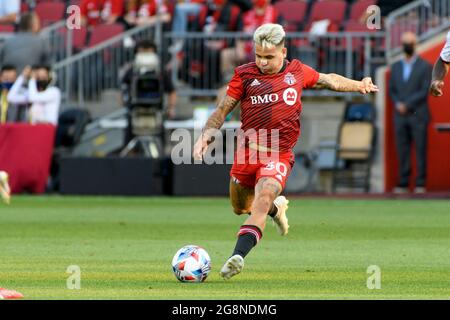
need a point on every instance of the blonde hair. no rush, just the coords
(269, 35)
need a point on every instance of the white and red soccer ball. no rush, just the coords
(191, 264)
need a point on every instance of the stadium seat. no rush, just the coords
(75, 2)
(104, 32)
(50, 12)
(6, 28)
(355, 144)
(293, 13)
(354, 26)
(359, 8)
(79, 37)
(334, 10)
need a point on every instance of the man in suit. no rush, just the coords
(408, 88)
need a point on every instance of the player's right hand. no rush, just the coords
(200, 147)
(436, 88)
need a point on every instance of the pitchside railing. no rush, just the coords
(198, 69)
(426, 18)
(59, 41)
(85, 75)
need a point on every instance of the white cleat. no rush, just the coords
(232, 267)
(281, 221)
(5, 191)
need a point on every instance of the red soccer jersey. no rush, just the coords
(272, 102)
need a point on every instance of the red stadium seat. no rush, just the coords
(104, 32)
(334, 10)
(355, 26)
(50, 12)
(79, 37)
(359, 8)
(6, 28)
(75, 2)
(293, 12)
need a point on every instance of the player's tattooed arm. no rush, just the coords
(216, 120)
(339, 83)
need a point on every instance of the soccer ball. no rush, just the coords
(191, 264)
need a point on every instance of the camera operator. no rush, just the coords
(146, 65)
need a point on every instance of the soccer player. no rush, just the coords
(269, 91)
(440, 70)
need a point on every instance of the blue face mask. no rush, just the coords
(6, 85)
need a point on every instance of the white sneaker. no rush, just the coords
(420, 190)
(281, 220)
(232, 267)
(5, 190)
(401, 190)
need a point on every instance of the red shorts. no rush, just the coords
(249, 169)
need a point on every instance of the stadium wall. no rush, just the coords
(385, 169)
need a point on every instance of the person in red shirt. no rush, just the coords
(263, 12)
(94, 12)
(269, 92)
(140, 12)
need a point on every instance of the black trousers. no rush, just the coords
(408, 129)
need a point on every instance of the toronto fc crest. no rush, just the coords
(289, 79)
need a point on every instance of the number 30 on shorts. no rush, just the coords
(280, 168)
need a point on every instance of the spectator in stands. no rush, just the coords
(408, 88)
(9, 11)
(183, 10)
(141, 12)
(222, 16)
(262, 12)
(8, 76)
(244, 5)
(94, 12)
(44, 97)
(26, 47)
(218, 16)
(147, 60)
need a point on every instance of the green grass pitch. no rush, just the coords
(124, 248)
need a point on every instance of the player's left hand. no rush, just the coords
(367, 86)
(436, 88)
